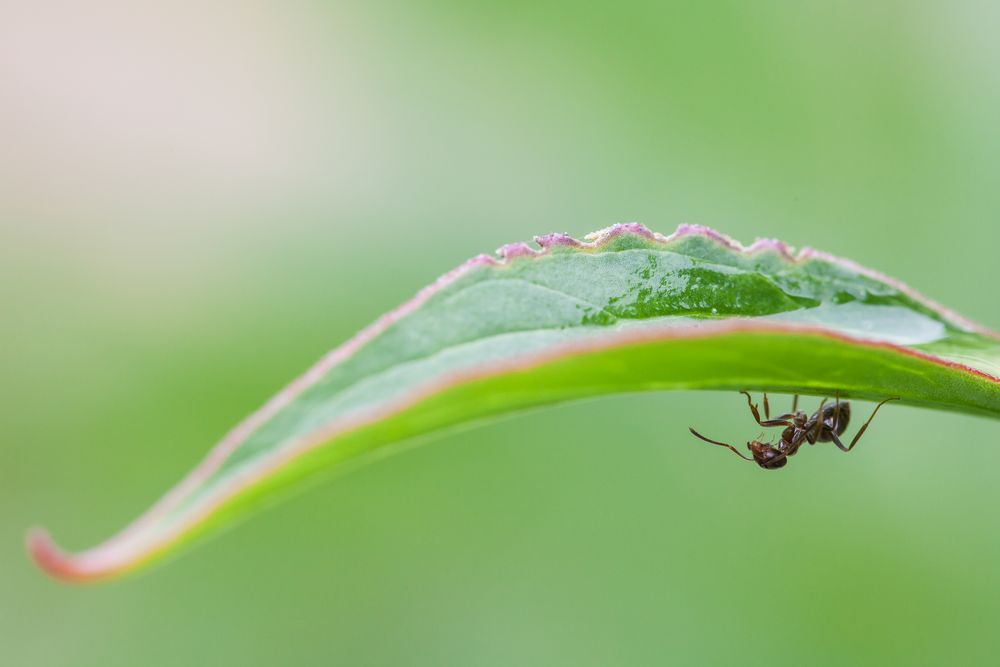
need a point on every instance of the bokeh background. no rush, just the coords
(196, 202)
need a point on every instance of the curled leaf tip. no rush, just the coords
(50, 558)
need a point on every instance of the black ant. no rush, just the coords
(825, 425)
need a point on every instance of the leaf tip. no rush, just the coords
(61, 565)
(50, 558)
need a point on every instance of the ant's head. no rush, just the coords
(766, 455)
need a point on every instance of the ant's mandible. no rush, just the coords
(827, 424)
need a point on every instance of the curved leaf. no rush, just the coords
(626, 310)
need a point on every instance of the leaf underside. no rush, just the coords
(627, 310)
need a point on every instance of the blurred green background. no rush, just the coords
(197, 202)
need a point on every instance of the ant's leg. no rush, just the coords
(836, 414)
(753, 408)
(782, 420)
(767, 408)
(865, 426)
(770, 422)
(836, 440)
(817, 429)
(720, 444)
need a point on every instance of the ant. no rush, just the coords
(827, 424)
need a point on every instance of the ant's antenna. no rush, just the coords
(720, 444)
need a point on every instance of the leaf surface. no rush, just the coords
(625, 310)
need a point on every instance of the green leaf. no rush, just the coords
(627, 310)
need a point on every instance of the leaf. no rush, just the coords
(626, 310)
